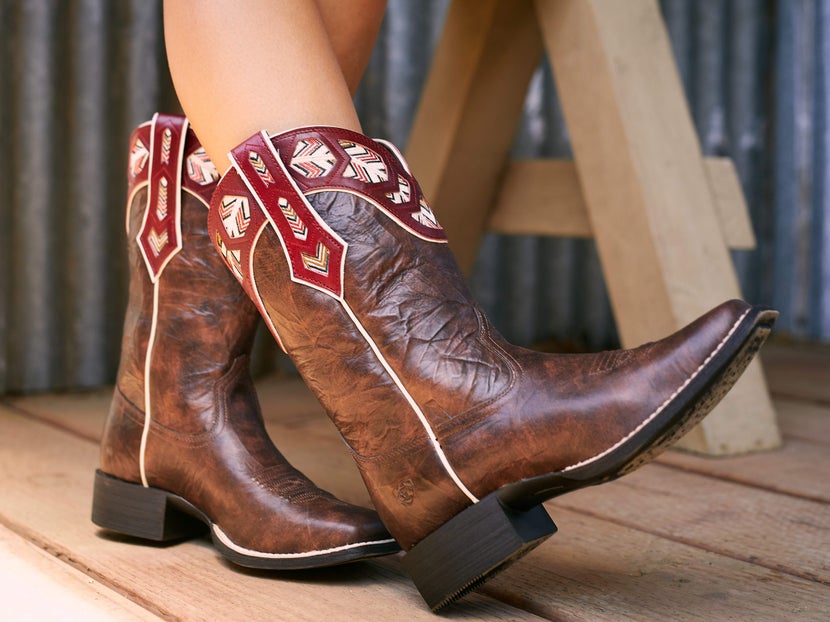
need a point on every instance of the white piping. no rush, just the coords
(668, 400)
(148, 357)
(434, 439)
(130, 198)
(222, 536)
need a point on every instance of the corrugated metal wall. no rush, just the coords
(77, 75)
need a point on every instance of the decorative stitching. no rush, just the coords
(668, 400)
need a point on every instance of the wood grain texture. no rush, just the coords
(651, 207)
(799, 371)
(594, 569)
(776, 531)
(38, 586)
(543, 197)
(805, 421)
(790, 469)
(469, 111)
(46, 498)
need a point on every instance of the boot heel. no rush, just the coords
(472, 547)
(134, 510)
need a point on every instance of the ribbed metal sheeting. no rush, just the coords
(77, 75)
(797, 275)
(757, 75)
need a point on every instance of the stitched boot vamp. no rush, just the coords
(566, 410)
(234, 474)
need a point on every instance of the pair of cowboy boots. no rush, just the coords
(459, 435)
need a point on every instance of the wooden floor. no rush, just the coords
(682, 539)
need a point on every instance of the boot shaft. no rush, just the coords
(357, 239)
(189, 327)
(340, 251)
(187, 319)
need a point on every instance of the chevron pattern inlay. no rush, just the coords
(166, 140)
(312, 158)
(232, 257)
(157, 241)
(235, 212)
(425, 216)
(298, 227)
(319, 262)
(200, 168)
(364, 164)
(403, 194)
(161, 203)
(139, 154)
(259, 166)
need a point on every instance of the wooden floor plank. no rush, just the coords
(775, 531)
(608, 572)
(798, 371)
(794, 469)
(805, 421)
(38, 586)
(46, 496)
(693, 537)
(82, 412)
(593, 569)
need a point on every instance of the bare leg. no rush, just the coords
(267, 64)
(352, 28)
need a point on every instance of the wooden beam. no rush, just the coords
(543, 197)
(650, 204)
(469, 111)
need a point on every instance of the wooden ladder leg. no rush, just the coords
(649, 203)
(469, 112)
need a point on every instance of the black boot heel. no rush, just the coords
(134, 510)
(472, 547)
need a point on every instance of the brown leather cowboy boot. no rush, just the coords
(185, 445)
(459, 435)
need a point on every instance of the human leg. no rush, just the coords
(243, 66)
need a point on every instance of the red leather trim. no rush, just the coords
(138, 165)
(398, 195)
(199, 175)
(315, 253)
(160, 236)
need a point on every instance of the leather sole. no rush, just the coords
(154, 514)
(472, 548)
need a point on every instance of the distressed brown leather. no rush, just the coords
(207, 442)
(500, 413)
